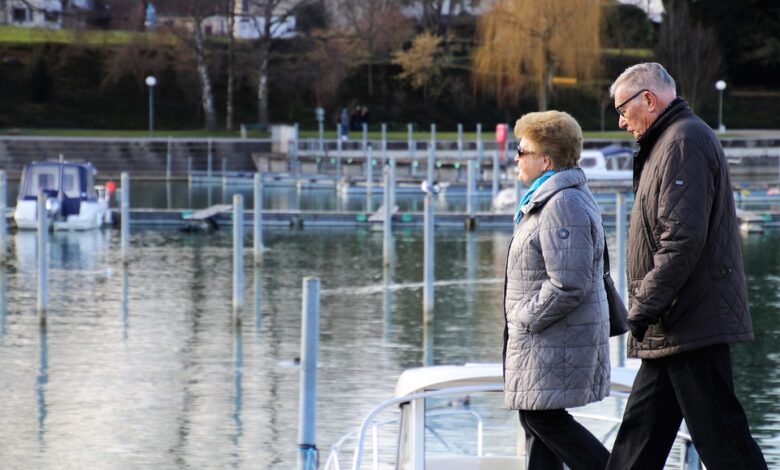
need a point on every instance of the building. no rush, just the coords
(42, 13)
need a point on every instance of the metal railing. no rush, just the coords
(688, 458)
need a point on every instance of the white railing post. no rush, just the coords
(43, 259)
(258, 218)
(307, 417)
(124, 209)
(238, 256)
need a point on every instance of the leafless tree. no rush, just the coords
(690, 52)
(378, 27)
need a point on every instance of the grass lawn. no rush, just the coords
(21, 35)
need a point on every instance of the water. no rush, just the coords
(163, 380)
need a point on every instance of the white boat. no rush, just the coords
(73, 202)
(453, 418)
(608, 166)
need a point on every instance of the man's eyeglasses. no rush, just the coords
(521, 152)
(619, 108)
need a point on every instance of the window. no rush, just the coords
(19, 15)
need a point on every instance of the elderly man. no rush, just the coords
(687, 293)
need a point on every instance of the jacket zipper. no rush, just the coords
(646, 224)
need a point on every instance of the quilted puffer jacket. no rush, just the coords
(556, 351)
(684, 264)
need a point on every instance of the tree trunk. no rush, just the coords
(262, 85)
(231, 15)
(207, 97)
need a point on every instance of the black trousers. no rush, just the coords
(553, 437)
(695, 385)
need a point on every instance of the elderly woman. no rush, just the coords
(556, 351)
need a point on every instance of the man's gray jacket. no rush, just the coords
(684, 265)
(556, 337)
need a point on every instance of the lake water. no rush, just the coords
(141, 367)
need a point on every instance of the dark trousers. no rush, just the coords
(553, 437)
(695, 385)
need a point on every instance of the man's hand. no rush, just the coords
(638, 328)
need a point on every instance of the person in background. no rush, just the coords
(556, 330)
(687, 294)
(344, 124)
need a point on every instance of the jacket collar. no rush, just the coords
(677, 109)
(563, 179)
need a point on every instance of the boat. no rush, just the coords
(73, 202)
(609, 167)
(452, 417)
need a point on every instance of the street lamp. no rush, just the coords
(720, 85)
(151, 82)
(319, 114)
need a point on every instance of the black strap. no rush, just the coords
(606, 258)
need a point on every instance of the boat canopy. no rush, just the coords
(70, 179)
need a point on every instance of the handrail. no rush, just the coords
(358, 456)
(368, 420)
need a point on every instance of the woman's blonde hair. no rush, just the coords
(557, 134)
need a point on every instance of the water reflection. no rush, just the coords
(238, 389)
(125, 306)
(42, 380)
(3, 301)
(258, 304)
(182, 387)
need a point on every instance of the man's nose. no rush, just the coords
(622, 123)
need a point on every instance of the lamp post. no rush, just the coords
(151, 82)
(720, 85)
(319, 114)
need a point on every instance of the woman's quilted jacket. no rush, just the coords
(556, 351)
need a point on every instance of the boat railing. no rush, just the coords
(368, 422)
(688, 458)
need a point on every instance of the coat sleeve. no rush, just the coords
(685, 199)
(567, 248)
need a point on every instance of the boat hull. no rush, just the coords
(91, 215)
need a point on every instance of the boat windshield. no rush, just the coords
(47, 178)
(41, 178)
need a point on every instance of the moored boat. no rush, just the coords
(452, 417)
(73, 202)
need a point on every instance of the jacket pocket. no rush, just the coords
(646, 225)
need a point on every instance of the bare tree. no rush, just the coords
(690, 52)
(523, 41)
(230, 13)
(192, 36)
(268, 18)
(329, 62)
(378, 27)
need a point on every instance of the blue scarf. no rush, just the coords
(527, 196)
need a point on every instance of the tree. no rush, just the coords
(528, 41)
(230, 13)
(626, 27)
(193, 37)
(378, 27)
(423, 63)
(748, 34)
(689, 51)
(268, 18)
(329, 61)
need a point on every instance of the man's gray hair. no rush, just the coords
(646, 76)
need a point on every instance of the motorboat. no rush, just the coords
(452, 417)
(73, 202)
(604, 168)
